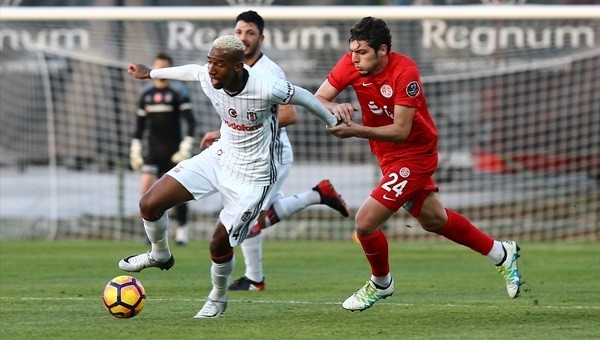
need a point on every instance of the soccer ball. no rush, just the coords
(124, 296)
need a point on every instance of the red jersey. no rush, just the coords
(398, 84)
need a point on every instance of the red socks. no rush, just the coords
(375, 247)
(457, 229)
(461, 231)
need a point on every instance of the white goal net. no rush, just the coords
(516, 102)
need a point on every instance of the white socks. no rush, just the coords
(290, 205)
(497, 253)
(220, 274)
(158, 235)
(252, 250)
(382, 281)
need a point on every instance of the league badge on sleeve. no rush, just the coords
(413, 89)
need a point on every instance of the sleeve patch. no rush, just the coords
(413, 89)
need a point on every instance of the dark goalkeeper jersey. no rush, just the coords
(159, 116)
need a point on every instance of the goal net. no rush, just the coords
(516, 103)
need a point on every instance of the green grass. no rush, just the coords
(443, 291)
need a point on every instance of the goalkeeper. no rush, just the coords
(163, 105)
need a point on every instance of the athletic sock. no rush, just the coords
(220, 274)
(375, 247)
(157, 232)
(252, 250)
(382, 282)
(498, 253)
(290, 205)
(461, 231)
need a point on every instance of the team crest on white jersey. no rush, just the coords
(232, 113)
(251, 115)
(386, 91)
(246, 215)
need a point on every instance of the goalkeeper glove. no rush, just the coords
(185, 150)
(135, 155)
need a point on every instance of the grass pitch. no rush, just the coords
(52, 290)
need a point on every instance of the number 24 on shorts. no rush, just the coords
(394, 185)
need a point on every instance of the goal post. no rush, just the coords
(514, 91)
(284, 13)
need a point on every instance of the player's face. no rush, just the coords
(366, 60)
(249, 35)
(220, 69)
(160, 63)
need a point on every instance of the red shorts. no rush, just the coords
(405, 185)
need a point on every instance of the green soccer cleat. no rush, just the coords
(508, 269)
(367, 296)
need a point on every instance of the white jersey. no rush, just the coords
(248, 122)
(284, 153)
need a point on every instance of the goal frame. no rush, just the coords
(468, 12)
(401, 15)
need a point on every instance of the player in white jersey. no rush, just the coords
(239, 166)
(249, 27)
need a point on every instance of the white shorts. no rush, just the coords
(283, 170)
(202, 176)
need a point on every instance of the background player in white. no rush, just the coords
(162, 107)
(239, 166)
(249, 27)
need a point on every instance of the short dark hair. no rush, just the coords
(166, 57)
(252, 17)
(372, 30)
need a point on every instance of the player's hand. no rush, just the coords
(135, 155)
(185, 150)
(345, 130)
(139, 71)
(209, 138)
(344, 112)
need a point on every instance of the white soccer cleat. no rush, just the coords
(181, 236)
(212, 309)
(367, 296)
(136, 263)
(508, 269)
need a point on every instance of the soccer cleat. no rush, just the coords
(212, 309)
(244, 283)
(367, 296)
(508, 269)
(331, 198)
(181, 236)
(136, 263)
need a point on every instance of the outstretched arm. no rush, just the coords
(190, 72)
(326, 93)
(395, 132)
(304, 98)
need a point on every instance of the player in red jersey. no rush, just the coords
(403, 136)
